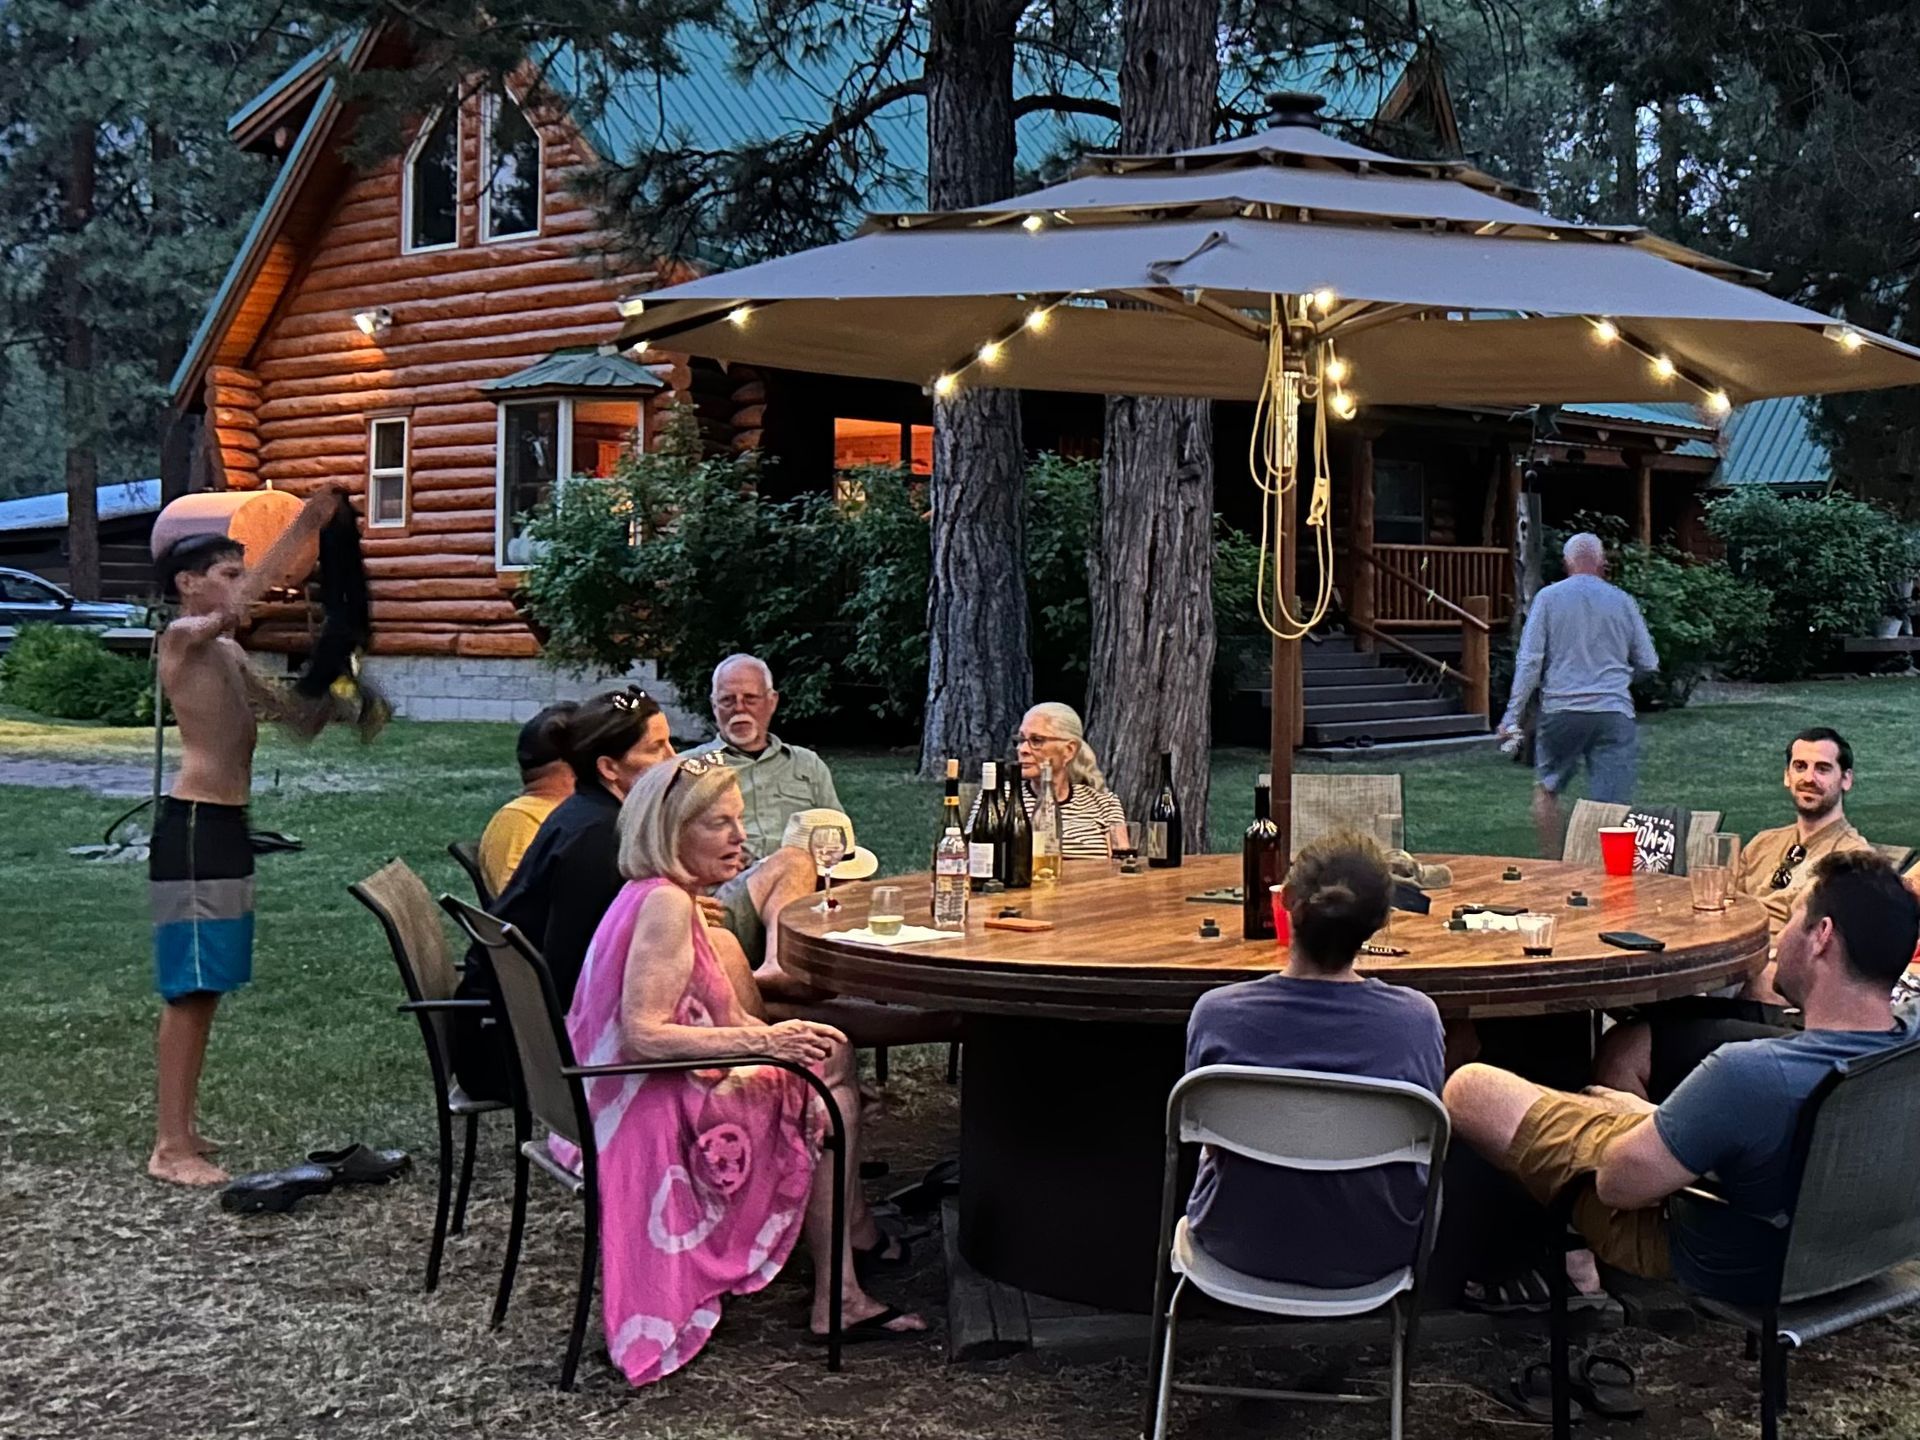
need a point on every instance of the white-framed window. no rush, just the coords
(539, 443)
(430, 185)
(509, 170)
(387, 472)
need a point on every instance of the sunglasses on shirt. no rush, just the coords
(1783, 877)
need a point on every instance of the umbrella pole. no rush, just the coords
(1284, 709)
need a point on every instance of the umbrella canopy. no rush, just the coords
(1162, 275)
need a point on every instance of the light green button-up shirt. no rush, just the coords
(775, 785)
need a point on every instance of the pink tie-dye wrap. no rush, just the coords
(704, 1175)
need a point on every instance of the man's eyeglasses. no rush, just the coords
(1783, 877)
(739, 702)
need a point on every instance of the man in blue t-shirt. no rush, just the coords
(1733, 1119)
(1324, 1229)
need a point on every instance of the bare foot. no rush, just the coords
(203, 1146)
(176, 1168)
(860, 1306)
(1584, 1271)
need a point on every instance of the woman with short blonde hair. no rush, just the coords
(1092, 823)
(708, 1178)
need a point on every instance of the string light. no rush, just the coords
(639, 348)
(1344, 405)
(1664, 368)
(1273, 455)
(1033, 224)
(1037, 318)
(1337, 370)
(738, 315)
(1845, 336)
(945, 386)
(1605, 331)
(1323, 299)
(1718, 402)
(989, 353)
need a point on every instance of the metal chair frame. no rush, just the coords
(466, 854)
(499, 941)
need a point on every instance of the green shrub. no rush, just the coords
(1830, 564)
(68, 672)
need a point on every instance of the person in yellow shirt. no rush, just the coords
(545, 780)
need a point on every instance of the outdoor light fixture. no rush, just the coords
(375, 322)
(1848, 338)
(1323, 299)
(632, 306)
(1036, 320)
(1033, 224)
(1718, 403)
(1664, 368)
(639, 348)
(738, 315)
(1344, 405)
(1338, 370)
(944, 386)
(988, 353)
(1605, 331)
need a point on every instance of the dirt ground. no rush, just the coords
(128, 1310)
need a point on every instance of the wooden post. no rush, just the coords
(1286, 716)
(1643, 502)
(1360, 604)
(1475, 657)
(1526, 558)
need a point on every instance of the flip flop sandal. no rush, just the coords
(873, 1328)
(875, 1259)
(275, 1191)
(1604, 1384)
(357, 1165)
(1530, 1393)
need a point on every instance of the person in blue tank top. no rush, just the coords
(1330, 1230)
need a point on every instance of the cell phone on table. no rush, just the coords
(1632, 940)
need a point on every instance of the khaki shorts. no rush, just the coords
(1563, 1137)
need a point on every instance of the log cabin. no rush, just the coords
(431, 332)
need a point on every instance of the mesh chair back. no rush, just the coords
(417, 935)
(1583, 832)
(466, 855)
(1307, 1120)
(534, 1018)
(1325, 805)
(1858, 1211)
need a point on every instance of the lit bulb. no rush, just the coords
(738, 315)
(1718, 403)
(639, 348)
(1852, 340)
(1663, 367)
(1037, 320)
(1323, 299)
(1033, 224)
(943, 387)
(1605, 331)
(1338, 370)
(1345, 406)
(988, 353)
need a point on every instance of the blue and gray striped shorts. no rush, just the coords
(200, 879)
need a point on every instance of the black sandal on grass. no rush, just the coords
(357, 1165)
(275, 1191)
(1530, 1393)
(874, 1327)
(1604, 1384)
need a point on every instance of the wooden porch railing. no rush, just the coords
(1411, 581)
(1472, 613)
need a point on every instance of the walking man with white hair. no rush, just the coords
(1584, 644)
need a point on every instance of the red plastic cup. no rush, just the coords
(1616, 849)
(1282, 922)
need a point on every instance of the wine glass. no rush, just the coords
(828, 846)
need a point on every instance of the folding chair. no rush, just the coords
(418, 939)
(1299, 1120)
(466, 855)
(1850, 1243)
(551, 1088)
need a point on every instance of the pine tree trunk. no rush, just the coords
(1150, 682)
(979, 672)
(1623, 126)
(173, 428)
(76, 377)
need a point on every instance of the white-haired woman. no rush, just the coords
(708, 1177)
(1092, 823)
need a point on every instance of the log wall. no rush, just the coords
(293, 412)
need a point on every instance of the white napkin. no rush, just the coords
(909, 935)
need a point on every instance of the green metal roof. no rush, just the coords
(292, 76)
(1666, 415)
(579, 368)
(1771, 442)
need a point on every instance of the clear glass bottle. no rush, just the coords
(950, 861)
(1046, 830)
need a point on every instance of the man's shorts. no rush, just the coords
(200, 881)
(742, 918)
(1609, 743)
(1563, 1137)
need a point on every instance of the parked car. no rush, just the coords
(25, 599)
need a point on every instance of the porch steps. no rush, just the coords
(1366, 702)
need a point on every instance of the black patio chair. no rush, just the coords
(466, 855)
(550, 1087)
(1850, 1248)
(418, 938)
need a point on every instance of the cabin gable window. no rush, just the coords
(509, 171)
(540, 443)
(430, 185)
(387, 498)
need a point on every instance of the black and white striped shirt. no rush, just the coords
(1086, 817)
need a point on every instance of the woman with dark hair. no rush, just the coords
(1342, 1228)
(570, 873)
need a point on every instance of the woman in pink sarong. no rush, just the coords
(707, 1177)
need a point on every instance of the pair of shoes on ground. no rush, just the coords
(1601, 1385)
(278, 1191)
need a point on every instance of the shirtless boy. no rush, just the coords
(201, 865)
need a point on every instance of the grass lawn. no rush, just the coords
(292, 1324)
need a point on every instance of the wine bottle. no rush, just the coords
(1165, 847)
(1262, 866)
(1046, 830)
(983, 829)
(1017, 837)
(951, 860)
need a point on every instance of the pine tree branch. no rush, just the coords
(1067, 105)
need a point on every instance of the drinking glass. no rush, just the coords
(1712, 878)
(1129, 855)
(1390, 830)
(886, 911)
(828, 846)
(1536, 934)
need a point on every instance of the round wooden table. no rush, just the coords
(1062, 1120)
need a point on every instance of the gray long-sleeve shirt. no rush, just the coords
(1584, 643)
